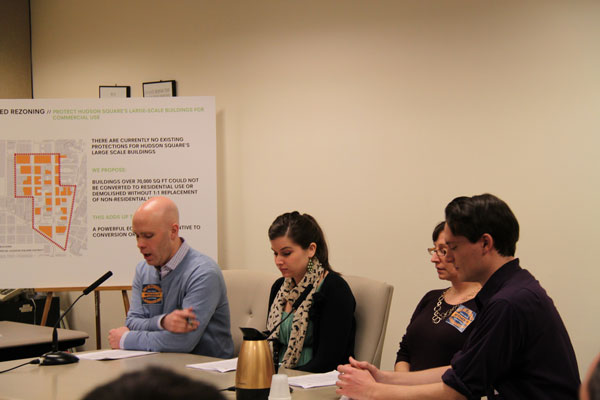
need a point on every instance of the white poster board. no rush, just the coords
(73, 171)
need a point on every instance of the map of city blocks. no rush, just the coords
(45, 213)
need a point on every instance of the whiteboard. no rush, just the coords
(73, 172)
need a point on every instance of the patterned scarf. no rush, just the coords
(289, 292)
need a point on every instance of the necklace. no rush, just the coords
(437, 316)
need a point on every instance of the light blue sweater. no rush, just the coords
(197, 282)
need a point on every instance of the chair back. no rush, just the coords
(248, 294)
(373, 301)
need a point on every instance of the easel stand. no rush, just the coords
(50, 292)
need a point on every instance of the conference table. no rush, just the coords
(73, 381)
(19, 340)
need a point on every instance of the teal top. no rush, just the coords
(284, 336)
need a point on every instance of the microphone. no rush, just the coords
(295, 306)
(99, 282)
(56, 357)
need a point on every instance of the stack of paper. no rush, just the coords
(221, 366)
(112, 354)
(314, 380)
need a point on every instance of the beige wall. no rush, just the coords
(371, 116)
(15, 50)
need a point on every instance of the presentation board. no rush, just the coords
(75, 170)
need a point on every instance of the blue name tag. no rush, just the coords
(461, 318)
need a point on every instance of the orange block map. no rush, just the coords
(37, 176)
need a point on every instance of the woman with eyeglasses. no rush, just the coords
(442, 320)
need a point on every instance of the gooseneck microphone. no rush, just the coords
(295, 306)
(94, 285)
(56, 357)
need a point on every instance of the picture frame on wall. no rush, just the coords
(159, 89)
(114, 91)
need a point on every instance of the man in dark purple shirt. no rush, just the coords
(519, 347)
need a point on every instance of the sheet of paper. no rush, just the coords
(112, 354)
(314, 380)
(221, 366)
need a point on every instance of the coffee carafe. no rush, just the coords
(254, 366)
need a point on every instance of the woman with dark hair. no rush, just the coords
(442, 320)
(319, 333)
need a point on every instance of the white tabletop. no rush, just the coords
(15, 334)
(73, 381)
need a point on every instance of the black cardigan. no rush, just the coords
(334, 325)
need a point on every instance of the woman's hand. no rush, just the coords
(355, 383)
(375, 372)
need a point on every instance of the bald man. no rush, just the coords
(179, 300)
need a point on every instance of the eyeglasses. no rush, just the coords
(440, 252)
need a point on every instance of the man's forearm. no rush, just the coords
(424, 377)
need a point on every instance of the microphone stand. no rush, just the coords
(56, 357)
(276, 345)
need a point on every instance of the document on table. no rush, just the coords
(314, 380)
(112, 354)
(221, 366)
